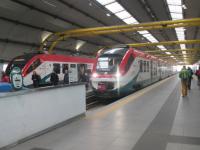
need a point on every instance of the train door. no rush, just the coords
(65, 68)
(151, 69)
(82, 68)
(57, 69)
(73, 73)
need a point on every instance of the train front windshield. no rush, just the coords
(110, 59)
(19, 61)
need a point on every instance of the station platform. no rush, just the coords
(154, 118)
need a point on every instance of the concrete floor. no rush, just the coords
(154, 118)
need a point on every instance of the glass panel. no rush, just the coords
(176, 9)
(104, 2)
(130, 20)
(123, 15)
(114, 7)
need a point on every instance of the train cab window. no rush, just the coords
(56, 68)
(130, 61)
(34, 65)
(64, 68)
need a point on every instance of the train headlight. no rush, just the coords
(94, 75)
(118, 75)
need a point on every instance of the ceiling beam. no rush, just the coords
(60, 36)
(174, 50)
(56, 17)
(165, 43)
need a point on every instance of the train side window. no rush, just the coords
(144, 63)
(147, 66)
(64, 68)
(56, 68)
(34, 65)
(141, 66)
(72, 65)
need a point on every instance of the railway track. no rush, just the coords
(91, 101)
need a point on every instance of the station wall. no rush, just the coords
(25, 114)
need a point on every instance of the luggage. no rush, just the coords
(5, 87)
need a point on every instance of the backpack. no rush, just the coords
(184, 74)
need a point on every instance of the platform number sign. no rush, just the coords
(16, 78)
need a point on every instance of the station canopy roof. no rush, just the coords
(24, 24)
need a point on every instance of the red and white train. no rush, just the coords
(121, 70)
(44, 64)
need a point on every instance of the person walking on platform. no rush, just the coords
(189, 78)
(184, 76)
(66, 77)
(198, 75)
(54, 78)
(36, 79)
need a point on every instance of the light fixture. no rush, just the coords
(79, 44)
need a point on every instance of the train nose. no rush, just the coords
(101, 87)
(105, 86)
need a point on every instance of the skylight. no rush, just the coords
(168, 53)
(117, 9)
(176, 16)
(105, 2)
(114, 7)
(176, 12)
(143, 32)
(175, 8)
(183, 52)
(161, 47)
(123, 14)
(174, 2)
(131, 20)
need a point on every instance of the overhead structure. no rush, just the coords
(174, 50)
(53, 40)
(165, 43)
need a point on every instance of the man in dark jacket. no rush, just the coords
(54, 78)
(36, 79)
(66, 77)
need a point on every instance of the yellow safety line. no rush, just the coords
(125, 101)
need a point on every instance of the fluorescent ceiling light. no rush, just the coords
(124, 14)
(168, 53)
(175, 9)
(114, 7)
(104, 2)
(131, 20)
(174, 2)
